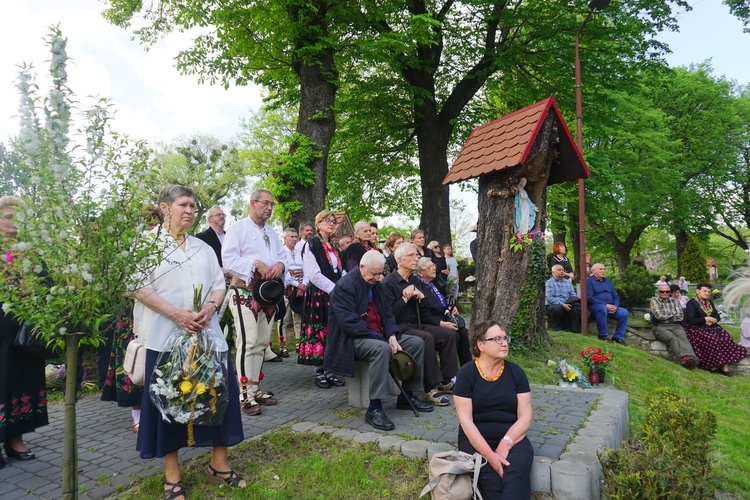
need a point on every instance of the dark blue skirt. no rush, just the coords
(157, 438)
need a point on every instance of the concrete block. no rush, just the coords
(345, 433)
(594, 442)
(390, 443)
(540, 474)
(591, 462)
(570, 481)
(437, 448)
(416, 448)
(367, 437)
(303, 426)
(359, 386)
(323, 429)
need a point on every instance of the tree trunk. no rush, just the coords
(433, 167)
(507, 283)
(316, 120)
(680, 238)
(70, 440)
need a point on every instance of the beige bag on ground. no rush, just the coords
(134, 363)
(451, 474)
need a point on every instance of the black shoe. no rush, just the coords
(20, 455)
(334, 381)
(284, 352)
(725, 373)
(403, 404)
(2, 461)
(321, 382)
(379, 420)
(605, 339)
(619, 341)
(277, 359)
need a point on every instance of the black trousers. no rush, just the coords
(562, 319)
(516, 481)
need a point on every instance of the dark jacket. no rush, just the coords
(434, 306)
(349, 300)
(406, 312)
(209, 236)
(694, 314)
(353, 255)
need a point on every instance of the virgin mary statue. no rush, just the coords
(525, 210)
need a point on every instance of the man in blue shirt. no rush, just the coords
(604, 303)
(563, 307)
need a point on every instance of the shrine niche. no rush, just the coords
(515, 158)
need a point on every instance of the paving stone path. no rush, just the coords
(106, 445)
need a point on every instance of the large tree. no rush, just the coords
(288, 46)
(210, 167)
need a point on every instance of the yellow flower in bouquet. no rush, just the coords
(571, 375)
(200, 388)
(186, 386)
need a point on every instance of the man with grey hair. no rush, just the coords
(252, 251)
(604, 302)
(562, 305)
(295, 279)
(413, 317)
(361, 326)
(214, 235)
(306, 232)
(666, 316)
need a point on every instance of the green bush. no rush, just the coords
(635, 286)
(693, 261)
(672, 458)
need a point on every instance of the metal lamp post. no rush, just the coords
(594, 6)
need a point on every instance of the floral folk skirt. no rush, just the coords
(118, 386)
(312, 338)
(714, 346)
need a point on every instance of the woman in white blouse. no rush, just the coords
(166, 292)
(323, 267)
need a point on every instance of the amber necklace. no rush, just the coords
(490, 379)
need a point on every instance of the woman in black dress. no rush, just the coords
(712, 344)
(493, 402)
(559, 251)
(23, 394)
(322, 265)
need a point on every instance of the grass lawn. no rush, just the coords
(285, 464)
(640, 374)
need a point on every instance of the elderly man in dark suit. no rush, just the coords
(214, 235)
(361, 326)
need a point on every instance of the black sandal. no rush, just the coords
(175, 491)
(233, 480)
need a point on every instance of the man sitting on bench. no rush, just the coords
(361, 326)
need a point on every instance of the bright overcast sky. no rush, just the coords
(155, 102)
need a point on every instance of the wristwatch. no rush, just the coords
(215, 305)
(508, 439)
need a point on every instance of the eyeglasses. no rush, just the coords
(329, 221)
(217, 215)
(265, 203)
(665, 291)
(498, 340)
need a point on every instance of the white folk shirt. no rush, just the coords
(294, 262)
(174, 279)
(246, 243)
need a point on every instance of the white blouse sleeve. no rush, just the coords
(312, 271)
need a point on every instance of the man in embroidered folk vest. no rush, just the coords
(253, 251)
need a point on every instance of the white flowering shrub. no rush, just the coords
(80, 238)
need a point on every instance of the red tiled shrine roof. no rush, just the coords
(507, 141)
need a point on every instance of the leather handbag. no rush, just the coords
(29, 342)
(134, 363)
(454, 475)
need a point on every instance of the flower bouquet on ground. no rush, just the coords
(189, 383)
(597, 358)
(569, 375)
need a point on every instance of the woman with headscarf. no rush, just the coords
(323, 268)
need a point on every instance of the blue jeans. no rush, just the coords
(599, 311)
